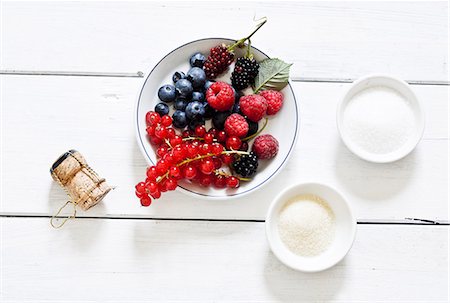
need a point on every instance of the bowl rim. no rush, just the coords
(184, 189)
(392, 156)
(269, 229)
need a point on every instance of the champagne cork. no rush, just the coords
(82, 184)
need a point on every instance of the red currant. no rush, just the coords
(152, 187)
(156, 194)
(192, 149)
(208, 138)
(232, 182)
(213, 131)
(152, 173)
(221, 136)
(175, 172)
(217, 162)
(162, 186)
(233, 143)
(190, 172)
(216, 148)
(161, 132)
(138, 194)
(156, 141)
(171, 184)
(204, 149)
(207, 166)
(200, 131)
(152, 118)
(140, 187)
(171, 133)
(169, 158)
(186, 134)
(228, 159)
(162, 166)
(244, 146)
(151, 130)
(205, 180)
(176, 140)
(146, 200)
(179, 153)
(220, 181)
(166, 120)
(162, 150)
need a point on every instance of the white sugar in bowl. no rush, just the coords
(380, 119)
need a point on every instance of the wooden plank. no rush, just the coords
(342, 40)
(43, 117)
(135, 260)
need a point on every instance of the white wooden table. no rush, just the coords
(69, 75)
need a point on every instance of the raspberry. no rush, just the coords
(265, 146)
(220, 96)
(218, 61)
(236, 125)
(244, 73)
(253, 106)
(274, 101)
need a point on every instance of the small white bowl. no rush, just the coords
(345, 228)
(405, 90)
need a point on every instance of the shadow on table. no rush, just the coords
(372, 181)
(81, 231)
(290, 285)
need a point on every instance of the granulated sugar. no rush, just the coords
(379, 120)
(306, 225)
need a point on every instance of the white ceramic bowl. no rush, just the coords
(401, 87)
(345, 228)
(283, 126)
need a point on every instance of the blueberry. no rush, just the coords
(252, 127)
(167, 93)
(194, 123)
(198, 96)
(197, 77)
(218, 120)
(184, 88)
(209, 111)
(180, 104)
(237, 95)
(194, 110)
(208, 83)
(197, 59)
(162, 109)
(179, 119)
(236, 108)
(177, 76)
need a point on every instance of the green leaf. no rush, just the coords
(272, 74)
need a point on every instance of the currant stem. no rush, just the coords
(239, 42)
(249, 46)
(222, 173)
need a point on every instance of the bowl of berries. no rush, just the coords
(215, 118)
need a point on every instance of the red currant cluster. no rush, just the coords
(197, 155)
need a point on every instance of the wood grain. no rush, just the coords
(137, 260)
(45, 116)
(343, 40)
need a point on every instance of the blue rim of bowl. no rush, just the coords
(141, 144)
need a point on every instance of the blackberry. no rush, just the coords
(244, 73)
(221, 56)
(246, 165)
(218, 61)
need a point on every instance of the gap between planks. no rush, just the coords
(140, 74)
(406, 221)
